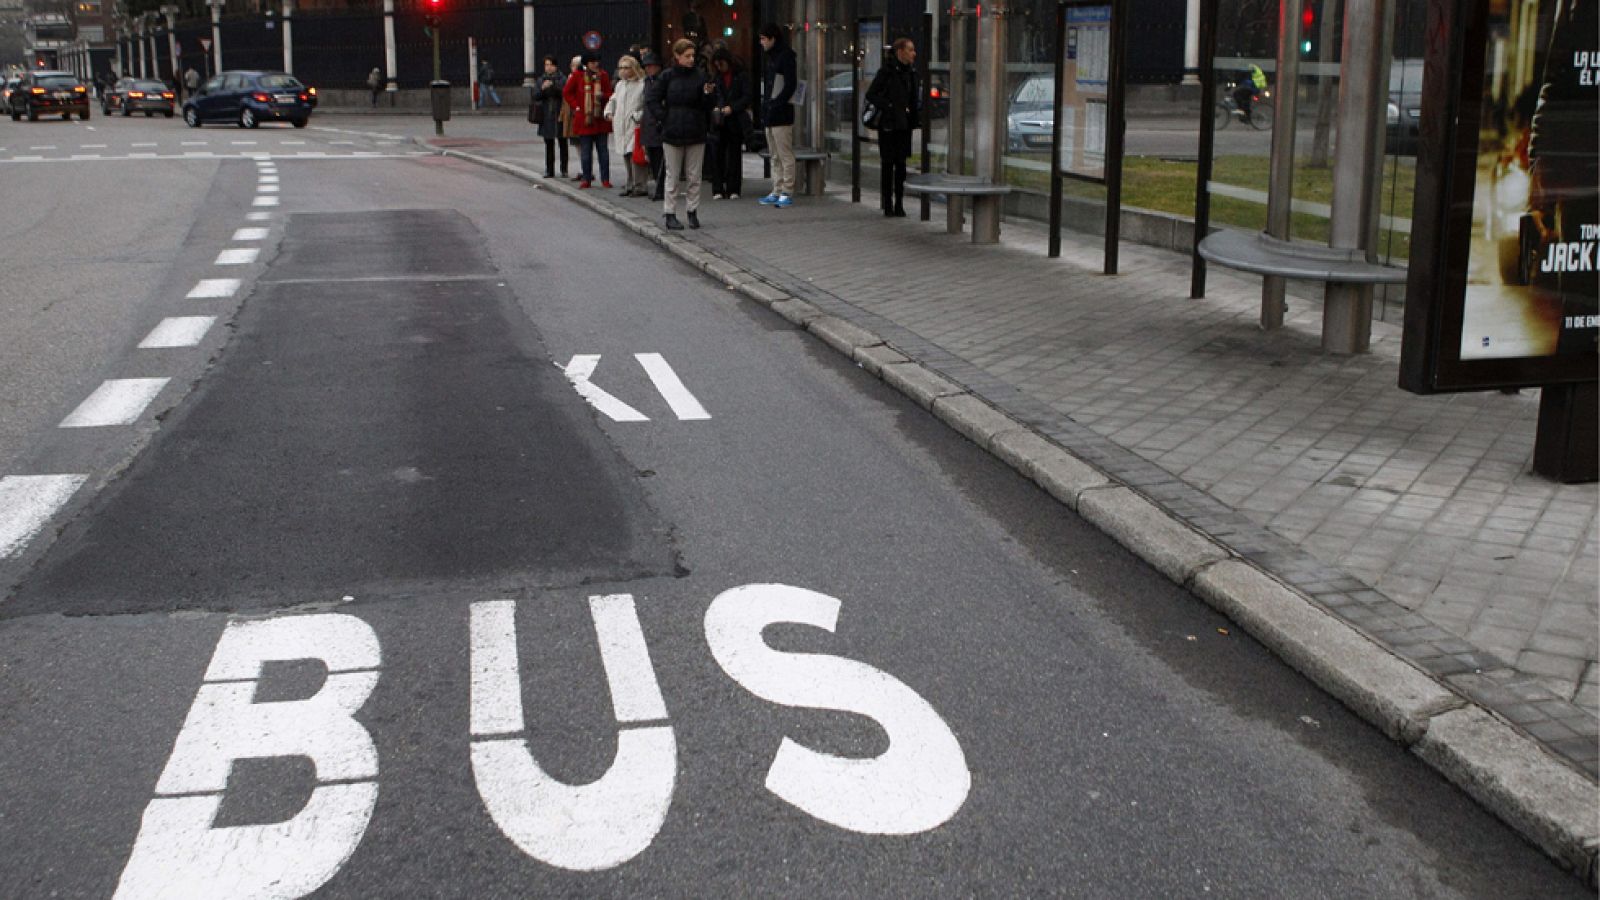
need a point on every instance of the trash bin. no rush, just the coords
(439, 93)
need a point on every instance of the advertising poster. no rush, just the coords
(1531, 277)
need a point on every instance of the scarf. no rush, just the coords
(592, 110)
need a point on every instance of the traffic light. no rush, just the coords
(431, 12)
(1308, 21)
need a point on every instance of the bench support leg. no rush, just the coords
(986, 220)
(1347, 318)
(955, 215)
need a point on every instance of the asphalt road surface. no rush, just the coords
(474, 548)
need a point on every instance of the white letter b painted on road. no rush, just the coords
(179, 853)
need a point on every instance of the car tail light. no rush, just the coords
(934, 93)
(311, 91)
(136, 94)
(261, 97)
(80, 89)
(304, 97)
(36, 90)
(166, 95)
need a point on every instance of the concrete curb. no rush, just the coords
(1547, 802)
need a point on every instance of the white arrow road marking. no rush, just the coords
(177, 331)
(27, 502)
(683, 403)
(117, 401)
(579, 371)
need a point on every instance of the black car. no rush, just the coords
(133, 95)
(248, 99)
(10, 85)
(46, 93)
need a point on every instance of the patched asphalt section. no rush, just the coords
(363, 436)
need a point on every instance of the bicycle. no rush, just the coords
(1259, 117)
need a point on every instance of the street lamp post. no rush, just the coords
(170, 10)
(216, 32)
(288, 36)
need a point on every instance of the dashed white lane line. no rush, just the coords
(27, 502)
(177, 331)
(117, 401)
(195, 143)
(344, 143)
(198, 154)
(141, 156)
(91, 146)
(44, 147)
(237, 256)
(243, 143)
(259, 216)
(214, 288)
(85, 156)
(250, 234)
(265, 201)
(26, 158)
(266, 189)
(267, 178)
(293, 143)
(143, 144)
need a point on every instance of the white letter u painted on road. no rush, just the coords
(179, 853)
(916, 785)
(587, 827)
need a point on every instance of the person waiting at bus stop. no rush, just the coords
(682, 99)
(586, 93)
(897, 95)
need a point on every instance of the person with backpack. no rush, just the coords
(778, 82)
(897, 96)
(683, 97)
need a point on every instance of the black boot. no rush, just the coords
(694, 219)
(672, 223)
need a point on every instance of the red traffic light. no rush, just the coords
(1308, 17)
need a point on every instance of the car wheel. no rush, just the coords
(299, 123)
(191, 117)
(84, 115)
(16, 116)
(247, 118)
(33, 115)
(66, 117)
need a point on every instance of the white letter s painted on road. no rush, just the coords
(918, 784)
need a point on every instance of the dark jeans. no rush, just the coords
(550, 145)
(658, 170)
(591, 144)
(725, 159)
(895, 147)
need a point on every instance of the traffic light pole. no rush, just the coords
(438, 123)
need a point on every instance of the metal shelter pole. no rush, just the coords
(926, 163)
(1116, 131)
(855, 117)
(989, 154)
(1208, 143)
(955, 159)
(288, 36)
(1347, 308)
(389, 56)
(1280, 180)
(1054, 250)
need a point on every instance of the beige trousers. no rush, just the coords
(780, 145)
(683, 164)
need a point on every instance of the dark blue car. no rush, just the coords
(249, 98)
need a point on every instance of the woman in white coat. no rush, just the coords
(625, 110)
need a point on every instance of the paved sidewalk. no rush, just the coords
(1412, 518)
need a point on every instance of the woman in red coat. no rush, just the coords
(586, 94)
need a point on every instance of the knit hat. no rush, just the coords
(590, 56)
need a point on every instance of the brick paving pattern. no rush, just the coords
(1414, 518)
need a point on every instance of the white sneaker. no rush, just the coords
(733, 196)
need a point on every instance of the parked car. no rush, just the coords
(838, 97)
(131, 95)
(6, 89)
(248, 99)
(1405, 106)
(47, 92)
(1031, 117)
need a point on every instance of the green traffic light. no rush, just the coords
(1305, 46)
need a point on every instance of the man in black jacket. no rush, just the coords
(778, 80)
(650, 125)
(898, 97)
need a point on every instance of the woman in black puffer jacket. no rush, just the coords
(681, 100)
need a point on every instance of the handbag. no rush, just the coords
(871, 116)
(536, 112)
(640, 157)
